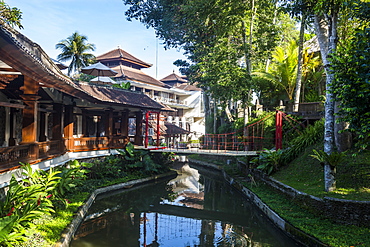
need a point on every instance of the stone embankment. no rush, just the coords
(297, 234)
(68, 234)
(339, 210)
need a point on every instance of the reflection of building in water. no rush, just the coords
(187, 180)
(171, 230)
(91, 226)
(110, 224)
(192, 200)
(203, 214)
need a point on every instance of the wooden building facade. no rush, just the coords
(44, 114)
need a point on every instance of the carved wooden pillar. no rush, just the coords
(84, 124)
(68, 126)
(30, 89)
(139, 128)
(109, 123)
(124, 123)
(57, 121)
(29, 126)
(29, 129)
(12, 123)
(109, 126)
(42, 123)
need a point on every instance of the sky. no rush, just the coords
(47, 22)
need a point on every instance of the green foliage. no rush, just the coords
(37, 194)
(268, 161)
(25, 211)
(25, 201)
(75, 48)
(306, 174)
(143, 160)
(284, 69)
(309, 136)
(332, 234)
(71, 176)
(223, 40)
(84, 77)
(109, 167)
(10, 15)
(333, 159)
(123, 85)
(351, 64)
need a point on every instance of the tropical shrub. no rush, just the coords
(37, 194)
(107, 167)
(143, 160)
(333, 159)
(24, 202)
(309, 136)
(268, 161)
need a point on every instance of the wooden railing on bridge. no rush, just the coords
(252, 137)
(249, 138)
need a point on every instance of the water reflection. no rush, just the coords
(194, 209)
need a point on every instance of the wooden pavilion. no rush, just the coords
(45, 115)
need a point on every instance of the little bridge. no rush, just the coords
(247, 141)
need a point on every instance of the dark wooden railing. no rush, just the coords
(10, 157)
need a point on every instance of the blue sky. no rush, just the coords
(46, 22)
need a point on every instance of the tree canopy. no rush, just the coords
(351, 64)
(10, 15)
(217, 37)
(76, 49)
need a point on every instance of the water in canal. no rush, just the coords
(194, 209)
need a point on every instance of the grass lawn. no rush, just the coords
(306, 174)
(328, 232)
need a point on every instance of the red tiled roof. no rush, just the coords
(188, 87)
(173, 78)
(119, 96)
(119, 54)
(23, 55)
(136, 75)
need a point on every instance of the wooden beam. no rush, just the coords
(30, 86)
(5, 79)
(7, 104)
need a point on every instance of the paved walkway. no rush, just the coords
(201, 151)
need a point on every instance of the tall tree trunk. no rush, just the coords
(297, 92)
(251, 26)
(207, 110)
(214, 116)
(327, 36)
(268, 60)
(247, 59)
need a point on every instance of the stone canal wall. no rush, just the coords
(297, 234)
(339, 210)
(68, 234)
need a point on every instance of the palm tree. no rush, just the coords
(283, 70)
(76, 48)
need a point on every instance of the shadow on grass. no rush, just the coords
(306, 174)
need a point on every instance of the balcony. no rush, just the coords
(169, 100)
(10, 157)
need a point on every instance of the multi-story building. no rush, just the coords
(188, 103)
(173, 91)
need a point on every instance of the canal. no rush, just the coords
(197, 208)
